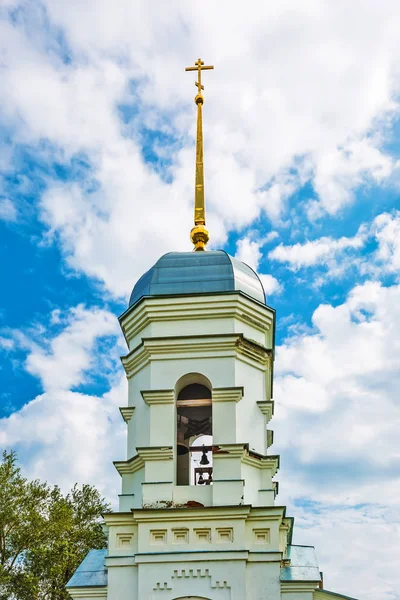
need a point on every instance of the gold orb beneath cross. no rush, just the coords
(199, 236)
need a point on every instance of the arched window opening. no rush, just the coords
(194, 425)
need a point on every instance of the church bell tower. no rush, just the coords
(197, 514)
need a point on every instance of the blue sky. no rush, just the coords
(302, 148)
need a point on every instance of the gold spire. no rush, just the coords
(199, 234)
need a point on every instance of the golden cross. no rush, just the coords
(199, 68)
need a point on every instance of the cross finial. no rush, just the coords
(199, 68)
(199, 234)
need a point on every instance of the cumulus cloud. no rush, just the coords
(63, 427)
(8, 212)
(337, 423)
(338, 256)
(386, 228)
(316, 252)
(299, 97)
(249, 252)
(344, 536)
(97, 93)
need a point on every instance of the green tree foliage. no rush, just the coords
(44, 535)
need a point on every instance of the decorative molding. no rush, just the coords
(262, 462)
(190, 573)
(162, 587)
(181, 535)
(118, 519)
(87, 592)
(229, 394)
(267, 408)
(130, 466)
(267, 513)
(158, 396)
(126, 412)
(207, 513)
(184, 308)
(254, 351)
(124, 540)
(224, 534)
(155, 453)
(121, 561)
(203, 534)
(199, 346)
(229, 451)
(158, 537)
(201, 574)
(183, 575)
(290, 587)
(261, 536)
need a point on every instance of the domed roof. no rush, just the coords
(198, 273)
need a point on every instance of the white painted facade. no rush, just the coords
(228, 540)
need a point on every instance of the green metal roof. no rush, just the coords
(91, 572)
(206, 272)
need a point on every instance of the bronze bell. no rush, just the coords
(200, 480)
(204, 460)
(182, 445)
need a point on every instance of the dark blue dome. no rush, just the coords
(198, 273)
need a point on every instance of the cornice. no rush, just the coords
(120, 561)
(290, 587)
(229, 394)
(118, 519)
(196, 307)
(158, 396)
(267, 408)
(199, 346)
(155, 453)
(199, 556)
(130, 466)
(254, 351)
(230, 451)
(127, 412)
(206, 513)
(267, 513)
(88, 592)
(137, 462)
(261, 462)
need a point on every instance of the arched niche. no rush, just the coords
(190, 379)
(194, 422)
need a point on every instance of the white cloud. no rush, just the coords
(6, 343)
(270, 284)
(248, 251)
(339, 172)
(298, 96)
(344, 536)
(386, 228)
(336, 424)
(316, 94)
(347, 373)
(66, 436)
(73, 348)
(339, 255)
(8, 211)
(317, 252)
